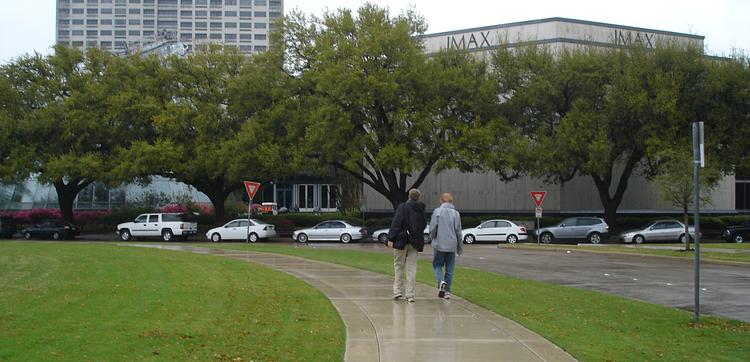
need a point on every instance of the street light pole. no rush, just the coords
(698, 162)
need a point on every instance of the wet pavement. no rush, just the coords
(724, 287)
(381, 329)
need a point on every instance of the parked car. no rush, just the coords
(592, 229)
(164, 225)
(54, 229)
(495, 231)
(242, 229)
(382, 235)
(7, 226)
(736, 233)
(330, 230)
(661, 230)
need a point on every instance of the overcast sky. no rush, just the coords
(29, 25)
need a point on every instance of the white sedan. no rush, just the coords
(495, 230)
(382, 235)
(238, 230)
(330, 230)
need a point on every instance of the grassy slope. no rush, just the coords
(592, 326)
(100, 302)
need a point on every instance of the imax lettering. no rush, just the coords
(471, 42)
(628, 38)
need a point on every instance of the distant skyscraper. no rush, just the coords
(124, 25)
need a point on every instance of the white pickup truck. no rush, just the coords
(166, 226)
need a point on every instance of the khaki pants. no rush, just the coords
(406, 258)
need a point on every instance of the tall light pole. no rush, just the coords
(698, 162)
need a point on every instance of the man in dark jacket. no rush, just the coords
(405, 237)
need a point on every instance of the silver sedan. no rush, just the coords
(330, 230)
(662, 230)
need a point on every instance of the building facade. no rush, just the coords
(486, 193)
(122, 26)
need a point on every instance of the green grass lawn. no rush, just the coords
(678, 250)
(76, 302)
(590, 325)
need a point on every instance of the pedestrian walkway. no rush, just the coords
(381, 329)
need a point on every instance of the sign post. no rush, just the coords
(698, 162)
(251, 188)
(538, 197)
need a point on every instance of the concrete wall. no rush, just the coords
(485, 192)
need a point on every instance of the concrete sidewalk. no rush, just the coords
(381, 329)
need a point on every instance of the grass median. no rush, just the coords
(590, 325)
(68, 301)
(675, 251)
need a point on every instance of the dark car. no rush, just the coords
(54, 229)
(7, 226)
(736, 233)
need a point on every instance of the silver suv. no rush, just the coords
(591, 229)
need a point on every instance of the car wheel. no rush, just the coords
(512, 239)
(383, 238)
(302, 238)
(469, 239)
(682, 238)
(546, 238)
(215, 237)
(345, 238)
(738, 238)
(426, 238)
(167, 235)
(253, 237)
(638, 239)
(125, 235)
(27, 235)
(595, 238)
(55, 236)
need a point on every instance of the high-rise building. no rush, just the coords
(124, 25)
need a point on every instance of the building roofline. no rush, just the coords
(565, 20)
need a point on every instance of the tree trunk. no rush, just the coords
(397, 198)
(603, 182)
(66, 195)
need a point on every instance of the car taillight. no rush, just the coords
(362, 231)
(523, 229)
(182, 226)
(67, 227)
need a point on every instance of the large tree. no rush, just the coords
(74, 114)
(205, 136)
(373, 104)
(604, 114)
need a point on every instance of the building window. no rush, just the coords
(215, 36)
(230, 13)
(260, 14)
(260, 25)
(306, 197)
(186, 25)
(230, 25)
(329, 196)
(261, 36)
(230, 37)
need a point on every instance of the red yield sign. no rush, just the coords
(538, 197)
(251, 188)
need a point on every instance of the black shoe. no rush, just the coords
(397, 297)
(443, 287)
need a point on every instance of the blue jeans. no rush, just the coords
(441, 259)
